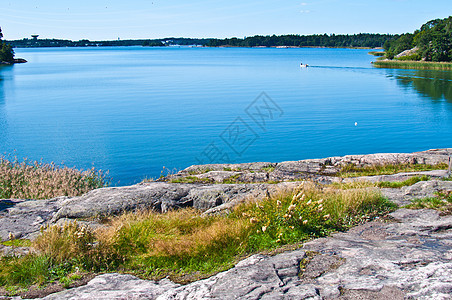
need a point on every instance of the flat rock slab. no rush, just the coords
(434, 174)
(409, 258)
(160, 196)
(116, 286)
(422, 189)
(308, 168)
(23, 218)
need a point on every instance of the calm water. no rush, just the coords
(134, 110)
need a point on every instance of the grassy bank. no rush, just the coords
(352, 170)
(186, 245)
(423, 65)
(377, 53)
(36, 180)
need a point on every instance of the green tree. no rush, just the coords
(434, 41)
(6, 51)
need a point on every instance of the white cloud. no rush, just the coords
(304, 4)
(305, 11)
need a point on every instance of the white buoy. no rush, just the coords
(356, 123)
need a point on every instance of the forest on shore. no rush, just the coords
(432, 42)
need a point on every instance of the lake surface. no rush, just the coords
(134, 110)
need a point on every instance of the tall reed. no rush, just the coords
(37, 180)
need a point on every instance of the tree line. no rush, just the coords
(366, 40)
(433, 42)
(36, 43)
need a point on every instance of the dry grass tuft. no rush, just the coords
(176, 233)
(73, 238)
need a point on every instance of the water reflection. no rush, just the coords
(2, 89)
(3, 122)
(432, 84)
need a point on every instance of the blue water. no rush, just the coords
(134, 110)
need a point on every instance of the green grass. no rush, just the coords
(25, 271)
(186, 245)
(200, 171)
(442, 202)
(268, 169)
(232, 179)
(424, 65)
(399, 184)
(190, 179)
(389, 169)
(380, 184)
(231, 169)
(17, 243)
(431, 203)
(377, 53)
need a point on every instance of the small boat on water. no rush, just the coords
(303, 65)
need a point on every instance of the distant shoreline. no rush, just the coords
(360, 40)
(199, 46)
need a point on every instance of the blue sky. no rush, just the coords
(110, 19)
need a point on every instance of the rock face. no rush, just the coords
(24, 218)
(15, 61)
(422, 189)
(20, 60)
(410, 257)
(318, 169)
(116, 286)
(160, 196)
(407, 52)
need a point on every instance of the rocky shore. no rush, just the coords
(406, 255)
(16, 61)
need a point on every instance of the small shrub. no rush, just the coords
(412, 57)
